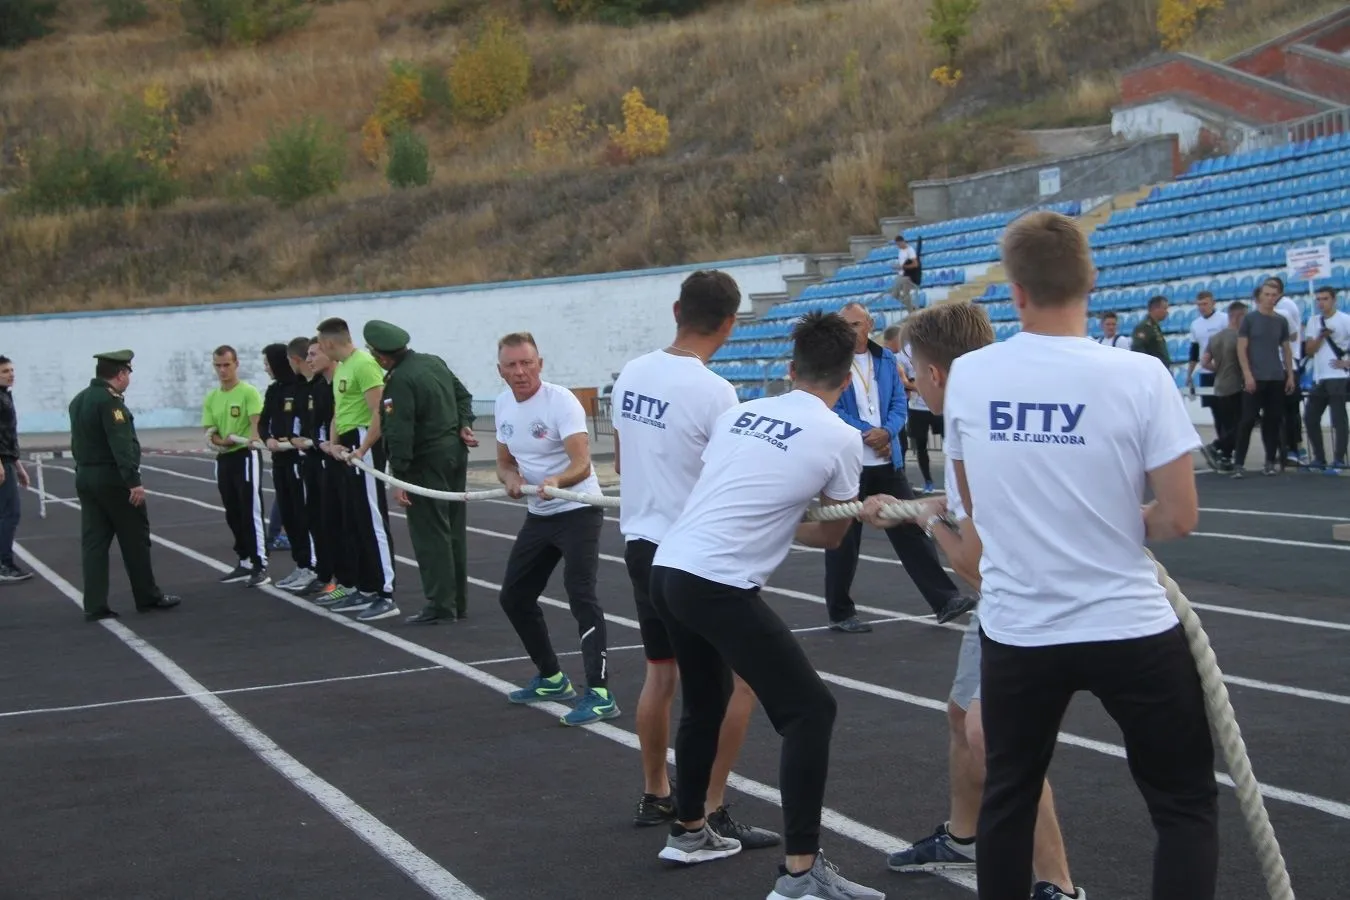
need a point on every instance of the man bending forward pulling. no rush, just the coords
(1054, 439)
(766, 461)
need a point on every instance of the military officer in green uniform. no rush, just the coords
(1148, 334)
(108, 485)
(426, 423)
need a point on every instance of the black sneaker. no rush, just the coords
(654, 810)
(258, 577)
(957, 606)
(851, 625)
(11, 574)
(750, 837)
(238, 573)
(1270, 468)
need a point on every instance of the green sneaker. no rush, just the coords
(595, 704)
(541, 690)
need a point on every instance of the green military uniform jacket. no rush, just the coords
(1148, 338)
(103, 437)
(423, 408)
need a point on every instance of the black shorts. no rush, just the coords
(638, 555)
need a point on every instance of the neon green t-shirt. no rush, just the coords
(228, 412)
(354, 376)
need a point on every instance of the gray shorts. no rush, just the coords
(966, 684)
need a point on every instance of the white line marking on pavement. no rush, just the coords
(425, 871)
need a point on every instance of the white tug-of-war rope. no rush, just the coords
(1217, 703)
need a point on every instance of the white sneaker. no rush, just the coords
(296, 580)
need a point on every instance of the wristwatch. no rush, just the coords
(933, 521)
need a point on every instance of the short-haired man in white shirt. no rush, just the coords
(1291, 434)
(1110, 335)
(1328, 346)
(665, 406)
(1205, 326)
(543, 440)
(1054, 439)
(766, 460)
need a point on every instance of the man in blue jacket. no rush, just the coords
(876, 405)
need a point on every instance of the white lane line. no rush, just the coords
(840, 824)
(847, 827)
(1273, 515)
(1344, 548)
(425, 871)
(242, 690)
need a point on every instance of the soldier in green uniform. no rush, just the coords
(426, 422)
(1148, 334)
(108, 484)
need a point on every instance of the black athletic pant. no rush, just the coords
(313, 476)
(289, 481)
(918, 426)
(1267, 402)
(1292, 435)
(1227, 415)
(1150, 687)
(1329, 392)
(917, 552)
(716, 629)
(239, 477)
(365, 519)
(341, 543)
(572, 536)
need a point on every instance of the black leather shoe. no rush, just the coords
(428, 617)
(852, 625)
(168, 601)
(101, 614)
(957, 606)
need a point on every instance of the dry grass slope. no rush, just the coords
(791, 126)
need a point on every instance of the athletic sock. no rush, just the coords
(555, 679)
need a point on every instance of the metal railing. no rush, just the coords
(1296, 131)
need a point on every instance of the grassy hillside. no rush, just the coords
(791, 126)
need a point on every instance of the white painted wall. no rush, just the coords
(1171, 116)
(586, 327)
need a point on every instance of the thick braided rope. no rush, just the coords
(497, 493)
(1222, 717)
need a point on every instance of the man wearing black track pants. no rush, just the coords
(1264, 352)
(334, 572)
(279, 423)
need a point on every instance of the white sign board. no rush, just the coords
(1308, 263)
(1049, 181)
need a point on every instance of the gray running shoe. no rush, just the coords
(822, 882)
(934, 853)
(691, 847)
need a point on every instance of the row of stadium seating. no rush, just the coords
(793, 309)
(1241, 206)
(1287, 232)
(1278, 171)
(1267, 155)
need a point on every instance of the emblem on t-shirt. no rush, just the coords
(286, 407)
(507, 429)
(342, 385)
(235, 412)
(538, 430)
(388, 406)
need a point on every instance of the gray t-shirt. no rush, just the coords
(1227, 369)
(1265, 335)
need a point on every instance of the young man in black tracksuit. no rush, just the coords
(335, 572)
(279, 422)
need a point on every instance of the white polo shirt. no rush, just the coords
(534, 432)
(664, 410)
(766, 461)
(1203, 329)
(1056, 435)
(1339, 324)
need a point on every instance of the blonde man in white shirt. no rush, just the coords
(1070, 601)
(542, 439)
(665, 406)
(766, 460)
(937, 337)
(1328, 347)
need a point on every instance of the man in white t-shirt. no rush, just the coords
(921, 421)
(1053, 440)
(766, 460)
(665, 405)
(543, 440)
(1110, 335)
(1328, 347)
(1206, 325)
(1291, 435)
(937, 336)
(906, 272)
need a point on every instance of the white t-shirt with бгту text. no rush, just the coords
(766, 461)
(1056, 435)
(534, 431)
(664, 410)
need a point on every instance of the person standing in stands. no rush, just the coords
(1328, 347)
(232, 410)
(1109, 337)
(1291, 435)
(1221, 358)
(907, 272)
(358, 388)
(1148, 334)
(875, 405)
(280, 422)
(1267, 376)
(13, 476)
(426, 420)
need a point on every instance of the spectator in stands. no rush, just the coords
(1221, 358)
(1205, 326)
(1328, 347)
(1267, 362)
(907, 272)
(1148, 334)
(1292, 434)
(1109, 336)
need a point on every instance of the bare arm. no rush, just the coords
(373, 397)
(253, 427)
(578, 447)
(1243, 360)
(1176, 509)
(826, 535)
(617, 470)
(508, 470)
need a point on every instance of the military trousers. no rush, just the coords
(437, 529)
(106, 512)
